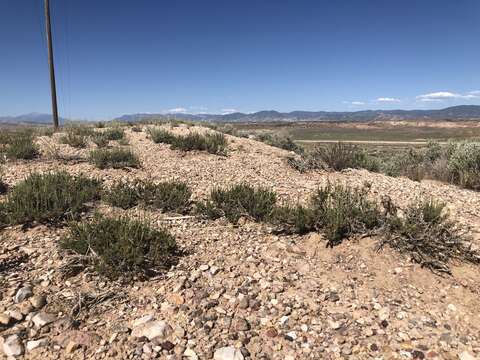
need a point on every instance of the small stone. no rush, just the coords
(417, 354)
(152, 330)
(228, 353)
(243, 302)
(38, 301)
(175, 299)
(16, 315)
(71, 347)
(335, 325)
(143, 320)
(466, 356)
(34, 344)
(23, 294)
(42, 319)
(167, 345)
(240, 324)
(292, 335)
(12, 346)
(204, 267)
(190, 354)
(5, 319)
(214, 270)
(271, 332)
(179, 332)
(383, 314)
(452, 307)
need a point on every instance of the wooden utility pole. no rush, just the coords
(48, 29)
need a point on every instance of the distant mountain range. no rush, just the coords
(455, 113)
(31, 118)
(462, 112)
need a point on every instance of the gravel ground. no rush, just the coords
(238, 292)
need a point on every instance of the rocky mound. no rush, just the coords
(237, 292)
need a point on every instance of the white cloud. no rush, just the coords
(228, 111)
(438, 96)
(446, 95)
(388, 99)
(357, 103)
(177, 110)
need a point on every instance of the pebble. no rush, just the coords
(5, 319)
(12, 346)
(190, 354)
(38, 301)
(228, 353)
(23, 294)
(34, 344)
(42, 319)
(152, 330)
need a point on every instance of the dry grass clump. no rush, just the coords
(99, 139)
(238, 201)
(215, 143)
(74, 140)
(337, 157)
(19, 144)
(280, 141)
(426, 233)
(116, 158)
(166, 196)
(337, 211)
(115, 133)
(49, 197)
(120, 247)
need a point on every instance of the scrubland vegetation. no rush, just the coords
(457, 162)
(215, 143)
(115, 246)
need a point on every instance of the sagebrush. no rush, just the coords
(121, 247)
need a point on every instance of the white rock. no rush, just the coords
(190, 354)
(143, 320)
(466, 356)
(383, 314)
(152, 330)
(227, 353)
(22, 294)
(33, 344)
(12, 346)
(42, 319)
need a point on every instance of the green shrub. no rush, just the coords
(341, 156)
(80, 130)
(115, 133)
(20, 145)
(293, 219)
(428, 235)
(121, 247)
(341, 211)
(100, 125)
(409, 164)
(99, 139)
(161, 136)
(49, 197)
(123, 142)
(282, 142)
(213, 143)
(433, 151)
(116, 158)
(237, 201)
(167, 196)
(123, 194)
(136, 128)
(76, 141)
(464, 164)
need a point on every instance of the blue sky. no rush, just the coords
(117, 56)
